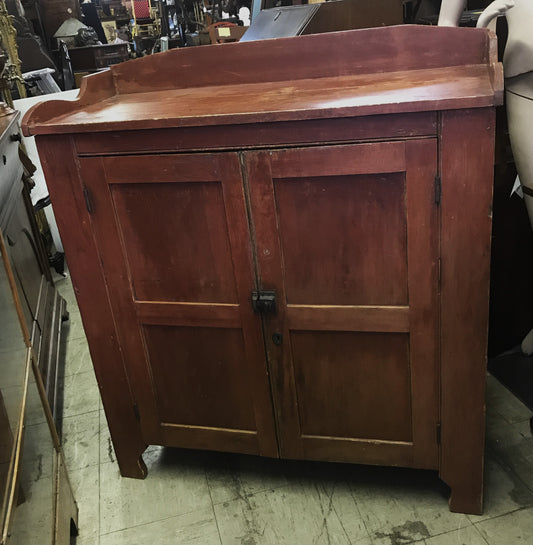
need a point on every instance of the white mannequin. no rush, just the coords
(451, 11)
(518, 70)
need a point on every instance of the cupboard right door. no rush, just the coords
(347, 238)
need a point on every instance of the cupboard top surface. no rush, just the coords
(372, 71)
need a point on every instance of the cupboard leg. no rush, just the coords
(131, 464)
(467, 500)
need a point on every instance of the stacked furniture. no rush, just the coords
(38, 505)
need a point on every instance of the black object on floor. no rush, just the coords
(515, 371)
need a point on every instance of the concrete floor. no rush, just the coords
(204, 498)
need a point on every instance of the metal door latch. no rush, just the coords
(264, 301)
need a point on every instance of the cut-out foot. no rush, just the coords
(466, 501)
(134, 468)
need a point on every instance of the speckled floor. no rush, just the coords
(205, 498)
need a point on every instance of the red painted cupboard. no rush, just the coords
(282, 247)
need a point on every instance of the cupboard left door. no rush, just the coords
(173, 237)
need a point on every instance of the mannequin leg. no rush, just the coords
(520, 120)
(527, 344)
(528, 201)
(450, 12)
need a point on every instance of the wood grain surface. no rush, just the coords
(465, 249)
(395, 69)
(357, 363)
(356, 186)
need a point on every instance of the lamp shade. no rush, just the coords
(68, 28)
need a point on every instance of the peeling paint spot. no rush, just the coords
(110, 449)
(405, 533)
(39, 467)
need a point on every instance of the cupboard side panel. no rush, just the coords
(60, 168)
(467, 159)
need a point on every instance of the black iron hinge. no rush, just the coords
(438, 189)
(438, 433)
(88, 203)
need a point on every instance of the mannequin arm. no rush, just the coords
(497, 8)
(450, 12)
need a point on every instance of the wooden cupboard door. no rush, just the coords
(346, 236)
(173, 236)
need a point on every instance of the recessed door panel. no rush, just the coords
(174, 231)
(346, 235)
(352, 384)
(196, 385)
